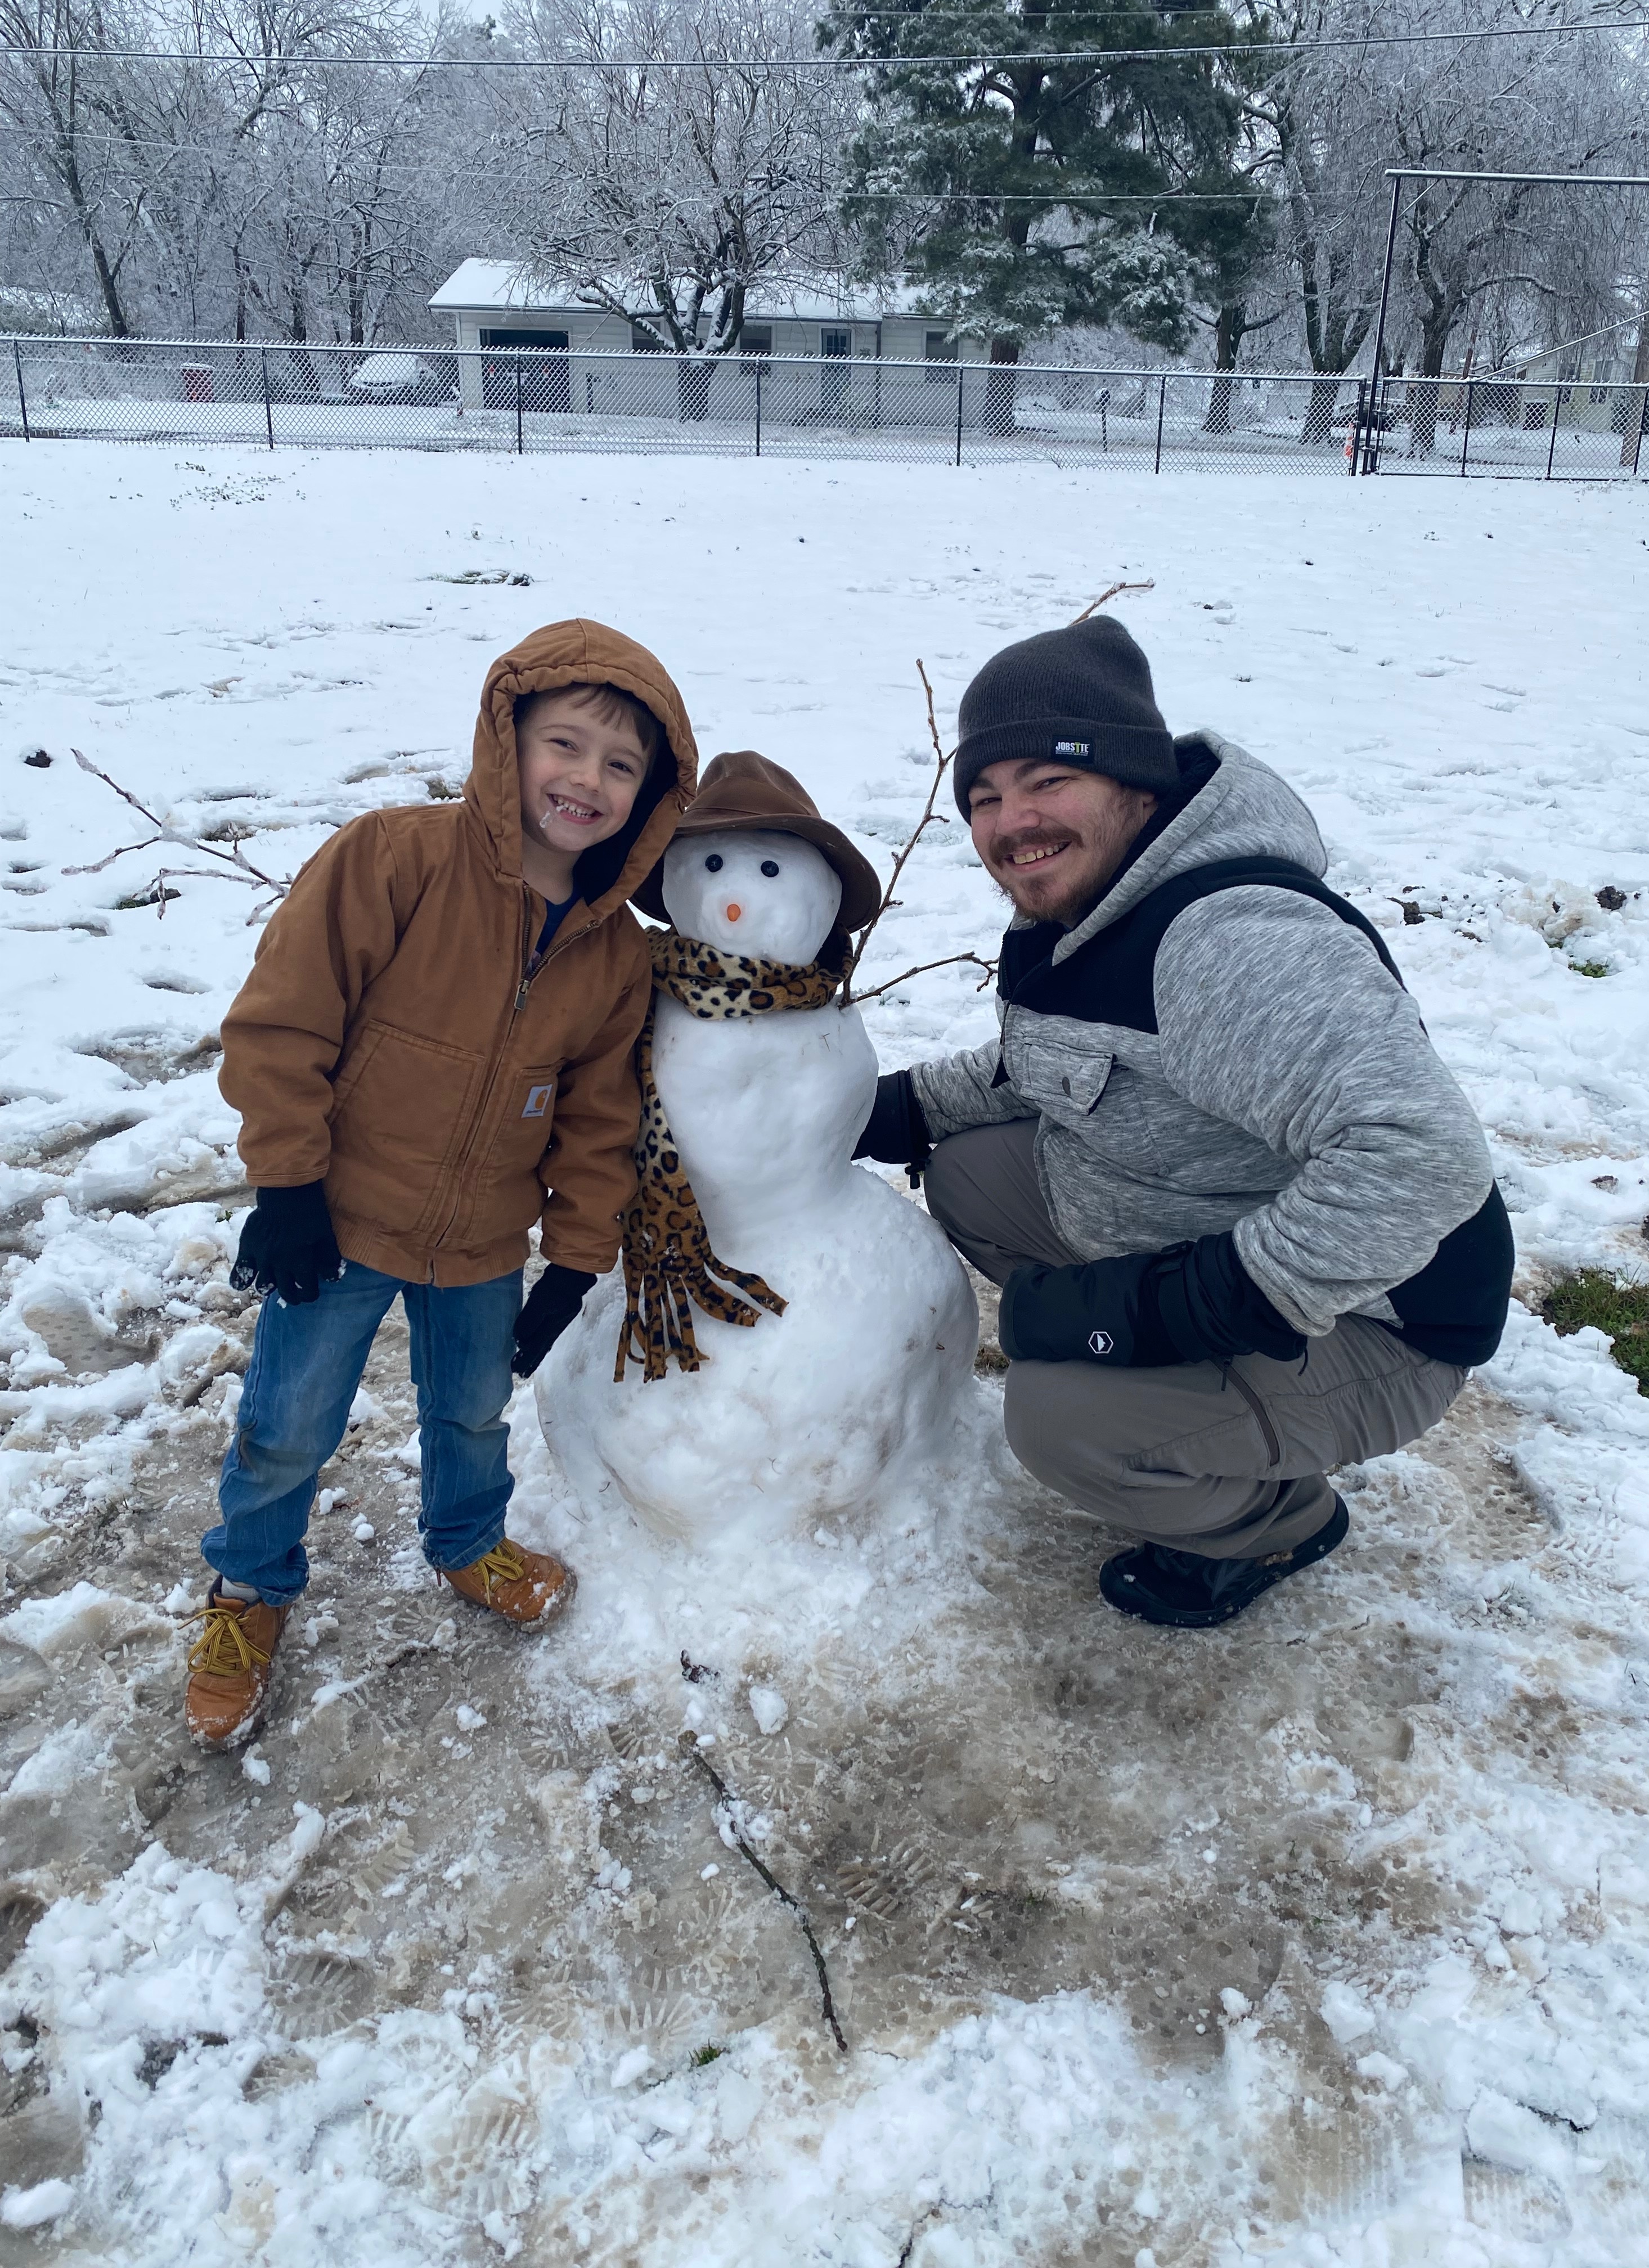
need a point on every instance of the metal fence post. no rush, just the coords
(269, 412)
(23, 406)
(1162, 404)
(1636, 446)
(1354, 440)
(758, 406)
(961, 372)
(1471, 388)
(520, 444)
(1557, 411)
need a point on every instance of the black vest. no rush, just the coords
(1454, 1309)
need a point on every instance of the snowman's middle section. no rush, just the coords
(765, 1113)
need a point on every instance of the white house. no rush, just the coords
(493, 306)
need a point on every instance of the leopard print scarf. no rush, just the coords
(669, 1267)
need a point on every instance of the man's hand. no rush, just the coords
(550, 1305)
(1192, 1303)
(1103, 1311)
(287, 1245)
(895, 1133)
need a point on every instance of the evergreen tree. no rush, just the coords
(1021, 193)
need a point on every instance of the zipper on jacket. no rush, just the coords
(529, 976)
(1261, 1415)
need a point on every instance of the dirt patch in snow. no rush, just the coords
(988, 1786)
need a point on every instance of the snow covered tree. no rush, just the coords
(664, 196)
(1337, 114)
(1023, 194)
(75, 109)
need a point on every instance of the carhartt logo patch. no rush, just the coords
(538, 1101)
(1073, 749)
(1101, 1343)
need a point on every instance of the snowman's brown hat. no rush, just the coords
(744, 790)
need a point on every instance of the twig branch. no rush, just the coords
(113, 856)
(689, 1747)
(234, 863)
(125, 794)
(929, 818)
(923, 967)
(1115, 592)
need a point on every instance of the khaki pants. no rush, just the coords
(1227, 1463)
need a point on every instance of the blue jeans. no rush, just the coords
(307, 1363)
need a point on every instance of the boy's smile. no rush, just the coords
(581, 767)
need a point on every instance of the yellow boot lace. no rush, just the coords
(222, 1648)
(503, 1564)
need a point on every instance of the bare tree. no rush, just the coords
(662, 197)
(63, 94)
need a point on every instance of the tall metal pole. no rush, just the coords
(1377, 380)
(1630, 440)
(520, 446)
(268, 413)
(962, 368)
(23, 406)
(1465, 446)
(1162, 405)
(758, 406)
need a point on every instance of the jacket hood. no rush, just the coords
(1245, 810)
(582, 653)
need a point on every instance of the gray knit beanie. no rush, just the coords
(1080, 696)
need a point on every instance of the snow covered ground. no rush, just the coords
(1319, 1939)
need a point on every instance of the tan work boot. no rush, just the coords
(530, 1588)
(232, 1665)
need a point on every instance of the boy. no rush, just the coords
(433, 1050)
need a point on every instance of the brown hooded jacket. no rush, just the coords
(389, 1041)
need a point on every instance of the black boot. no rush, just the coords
(1192, 1592)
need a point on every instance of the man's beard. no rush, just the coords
(1070, 893)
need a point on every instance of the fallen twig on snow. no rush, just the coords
(233, 867)
(687, 1743)
(1115, 592)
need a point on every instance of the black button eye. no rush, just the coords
(769, 867)
(712, 864)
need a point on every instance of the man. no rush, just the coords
(1243, 1218)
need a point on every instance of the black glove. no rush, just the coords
(896, 1132)
(287, 1246)
(551, 1305)
(1192, 1303)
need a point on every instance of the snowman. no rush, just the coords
(804, 1347)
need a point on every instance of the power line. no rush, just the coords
(766, 63)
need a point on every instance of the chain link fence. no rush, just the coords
(534, 400)
(1508, 429)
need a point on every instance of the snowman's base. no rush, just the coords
(824, 1413)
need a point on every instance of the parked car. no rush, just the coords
(396, 375)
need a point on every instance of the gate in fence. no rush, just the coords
(535, 395)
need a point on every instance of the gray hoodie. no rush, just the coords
(1290, 1093)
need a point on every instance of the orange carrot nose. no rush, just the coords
(733, 912)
